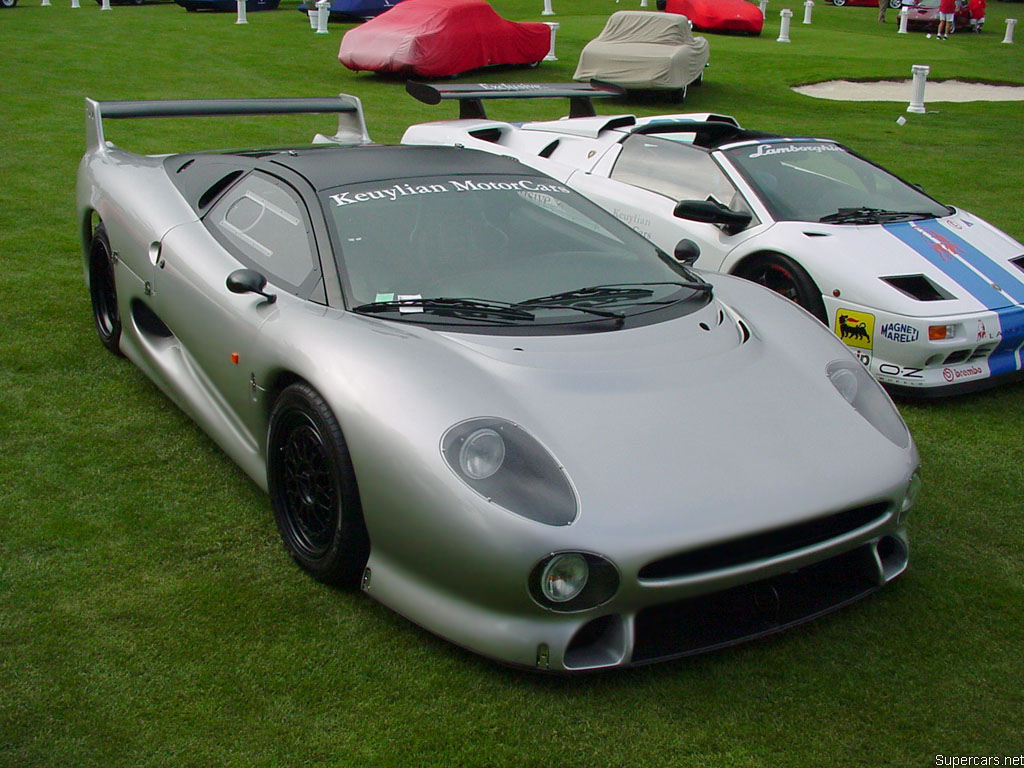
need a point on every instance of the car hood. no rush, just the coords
(705, 426)
(964, 256)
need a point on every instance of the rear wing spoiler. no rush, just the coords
(471, 95)
(351, 124)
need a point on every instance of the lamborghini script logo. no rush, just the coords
(855, 328)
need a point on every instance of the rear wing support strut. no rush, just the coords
(471, 95)
(351, 123)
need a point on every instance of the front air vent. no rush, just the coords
(744, 332)
(762, 546)
(918, 287)
(493, 135)
(1019, 263)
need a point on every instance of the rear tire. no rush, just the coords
(103, 291)
(781, 274)
(313, 488)
(839, 3)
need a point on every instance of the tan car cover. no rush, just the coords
(644, 49)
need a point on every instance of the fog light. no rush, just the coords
(911, 494)
(482, 454)
(564, 577)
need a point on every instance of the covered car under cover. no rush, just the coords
(644, 49)
(441, 38)
(731, 16)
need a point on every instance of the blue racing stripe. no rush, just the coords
(955, 257)
(1006, 357)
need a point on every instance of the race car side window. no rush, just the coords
(264, 223)
(674, 169)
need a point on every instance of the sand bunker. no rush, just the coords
(899, 90)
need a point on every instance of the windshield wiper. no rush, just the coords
(865, 215)
(466, 309)
(601, 295)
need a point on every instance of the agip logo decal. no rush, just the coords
(855, 329)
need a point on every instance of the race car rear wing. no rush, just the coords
(351, 124)
(471, 95)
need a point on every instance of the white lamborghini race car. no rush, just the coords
(929, 296)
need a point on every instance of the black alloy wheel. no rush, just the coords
(787, 278)
(103, 291)
(313, 488)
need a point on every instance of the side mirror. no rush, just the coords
(249, 281)
(712, 213)
(687, 251)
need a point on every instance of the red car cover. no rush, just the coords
(439, 38)
(720, 15)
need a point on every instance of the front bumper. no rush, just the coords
(982, 350)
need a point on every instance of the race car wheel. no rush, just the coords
(313, 488)
(895, 4)
(8, 3)
(839, 3)
(787, 278)
(103, 291)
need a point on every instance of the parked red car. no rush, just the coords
(440, 38)
(872, 3)
(735, 16)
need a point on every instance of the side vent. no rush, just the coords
(918, 287)
(1018, 262)
(744, 332)
(211, 194)
(493, 135)
(186, 164)
(549, 149)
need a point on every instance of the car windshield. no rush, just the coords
(496, 250)
(822, 181)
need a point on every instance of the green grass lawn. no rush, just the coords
(149, 615)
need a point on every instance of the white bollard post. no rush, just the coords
(764, 7)
(547, 9)
(553, 26)
(45, 3)
(808, 8)
(643, 3)
(75, 4)
(1010, 24)
(917, 88)
(904, 14)
(240, 4)
(323, 8)
(786, 15)
(314, 15)
(105, 6)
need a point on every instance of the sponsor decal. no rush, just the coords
(395, 191)
(982, 332)
(955, 224)
(763, 150)
(899, 332)
(639, 223)
(855, 328)
(955, 374)
(508, 86)
(898, 372)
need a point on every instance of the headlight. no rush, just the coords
(504, 464)
(481, 454)
(573, 581)
(866, 395)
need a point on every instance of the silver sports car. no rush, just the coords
(490, 404)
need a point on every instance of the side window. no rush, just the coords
(673, 169)
(264, 223)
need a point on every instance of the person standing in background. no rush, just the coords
(947, 12)
(882, 5)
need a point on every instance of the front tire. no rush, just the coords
(895, 4)
(838, 3)
(313, 488)
(781, 274)
(103, 291)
